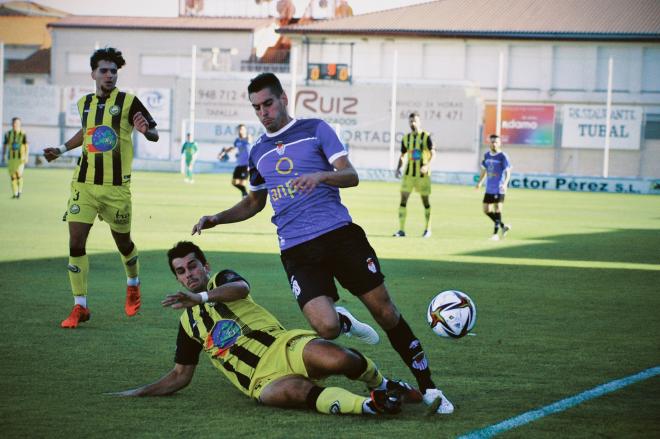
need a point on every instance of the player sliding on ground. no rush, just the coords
(250, 347)
(300, 165)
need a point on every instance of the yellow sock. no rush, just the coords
(78, 272)
(402, 217)
(20, 184)
(427, 216)
(371, 376)
(14, 186)
(337, 401)
(131, 263)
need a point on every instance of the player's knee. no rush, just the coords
(327, 330)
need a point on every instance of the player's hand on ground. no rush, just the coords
(307, 182)
(51, 154)
(205, 222)
(182, 299)
(140, 122)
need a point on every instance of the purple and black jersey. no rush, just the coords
(495, 165)
(241, 146)
(276, 159)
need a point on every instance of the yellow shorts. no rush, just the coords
(15, 167)
(420, 184)
(111, 203)
(284, 357)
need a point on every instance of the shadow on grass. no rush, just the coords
(622, 245)
(520, 309)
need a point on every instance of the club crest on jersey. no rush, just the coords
(280, 147)
(223, 336)
(101, 138)
(371, 265)
(114, 110)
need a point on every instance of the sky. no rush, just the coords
(170, 8)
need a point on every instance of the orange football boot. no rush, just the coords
(78, 314)
(132, 300)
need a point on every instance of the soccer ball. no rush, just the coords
(451, 314)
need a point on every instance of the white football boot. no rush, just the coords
(359, 330)
(437, 402)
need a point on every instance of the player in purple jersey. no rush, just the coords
(300, 165)
(241, 145)
(496, 170)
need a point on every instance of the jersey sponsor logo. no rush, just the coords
(73, 268)
(15, 146)
(280, 147)
(416, 154)
(223, 336)
(284, 166)
(74, 209)
(114, 110)
(335, 408)
(371, 265)
(102, 139)
(295, 287)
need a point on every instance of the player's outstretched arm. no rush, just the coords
(175, 380)
(228, 292)
(75, 141)
(244, 209)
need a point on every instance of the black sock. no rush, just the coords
(410, 349)
(492, 216)
(498, 218)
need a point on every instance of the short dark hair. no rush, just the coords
(106, 54)
(266, 80)
(183, 249)
(413, 114)
(494, 136)
(238, 127)
(14, 119)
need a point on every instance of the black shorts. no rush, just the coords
(493, 198)
(240, 173)
(343, 254)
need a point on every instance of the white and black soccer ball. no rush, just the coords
(451, 314)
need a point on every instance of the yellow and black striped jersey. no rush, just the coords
(15, 145)
(418, 146)
(107, 150)
(235, 335)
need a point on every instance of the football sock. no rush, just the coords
(370, 375)
(335, 401)
(402, 217)
(498, 219)
(78, 272)
(131, 262)
(14, 186)
(410, 350)
(20, 184)
(241, 188)
(80, 300)
(427, 217)
(133, 281)
(491, 215)
(189, 173)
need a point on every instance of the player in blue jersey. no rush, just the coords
(300, 165)
(241, 145)
(496, 170)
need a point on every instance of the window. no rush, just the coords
(621, 68)
(651, 70)
(525, 67)
(570, 68)
(483, 65)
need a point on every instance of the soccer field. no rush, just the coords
(569, 301)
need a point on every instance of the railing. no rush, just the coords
(249, 66)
